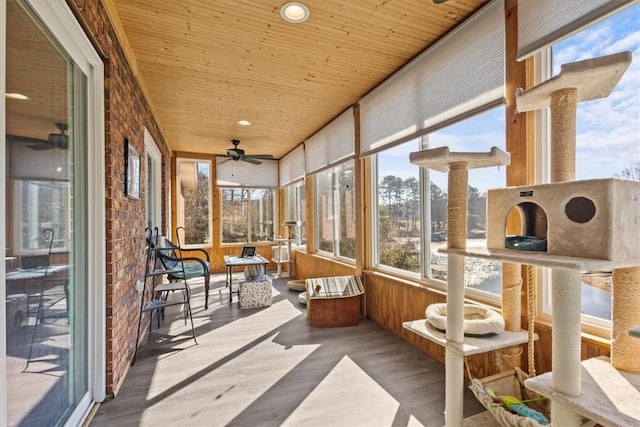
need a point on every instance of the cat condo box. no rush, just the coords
(598, 219)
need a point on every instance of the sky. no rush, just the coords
(608, 130)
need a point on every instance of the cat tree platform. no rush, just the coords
(609, 397)
(441, 158)
(593, 78)
(471, 344)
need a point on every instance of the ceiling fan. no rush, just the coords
(236, 154)
(55, 140)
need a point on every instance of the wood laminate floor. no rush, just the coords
(267, 367)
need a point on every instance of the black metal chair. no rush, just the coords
(40, 264)
(183, 268)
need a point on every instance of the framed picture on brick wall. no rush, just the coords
(131, 171)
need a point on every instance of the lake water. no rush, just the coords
(486, 275)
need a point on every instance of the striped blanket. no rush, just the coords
(334, 287)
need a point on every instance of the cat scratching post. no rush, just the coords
(509, 357)
(457, 164)
(578, 81)
(625, 350)
(511, 302)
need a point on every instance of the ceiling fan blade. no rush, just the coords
(41, 146)
(226, 160)
(236, 153)
(251, 160)
(25, 139)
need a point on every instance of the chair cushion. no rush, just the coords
(191, 270)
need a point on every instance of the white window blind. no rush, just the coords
(332, 144)
(461, 74)
(231, 173)
(544, 22)
(292, 166)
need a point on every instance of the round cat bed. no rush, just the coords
(477, 320)
(302, 298)
(296, 285)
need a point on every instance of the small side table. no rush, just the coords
(255, 293)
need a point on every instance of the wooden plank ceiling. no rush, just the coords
(208, 64)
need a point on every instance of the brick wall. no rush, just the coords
(127, 113)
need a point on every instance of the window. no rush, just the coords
(42, 204)
(296, 210)
(153, 182)
(478, 133)
(399, 225)
(247, 215)
(606, 134)
(53, 318)
(398, 197)
(194, 200)
(335, 210)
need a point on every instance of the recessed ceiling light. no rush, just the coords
(244, 122)
(294, 12)
(16, 96)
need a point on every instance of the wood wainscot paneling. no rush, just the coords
(390, 301)
(309, 265)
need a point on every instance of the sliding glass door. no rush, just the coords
(47, 363)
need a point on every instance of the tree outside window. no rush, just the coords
(194, 201)
(400, 230)
(335, 210)
(296, 210)
(399, 224)
(245, 209)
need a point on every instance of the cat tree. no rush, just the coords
(614, 224)
(590, 225)
(457, 345)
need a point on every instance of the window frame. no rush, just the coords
(294, 190)
(60, 22)
(180, 217)
(425, 275)
(248, 216)
(333, 213)
(424, 235)
(18, 240)
(543, 70)
(153, 205)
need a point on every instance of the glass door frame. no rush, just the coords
(62, 24)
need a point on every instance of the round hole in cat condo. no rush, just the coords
(526, 228)
(580, 210)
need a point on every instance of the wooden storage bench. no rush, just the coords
(334, 301)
